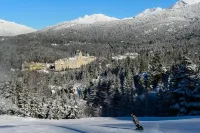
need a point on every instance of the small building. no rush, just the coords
(73, 62)
(122, 57)
(34, 66)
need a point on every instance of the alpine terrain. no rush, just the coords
(12, 29)
(99, 66)
(183, 3)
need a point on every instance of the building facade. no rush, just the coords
(34, 66)
(73, 62)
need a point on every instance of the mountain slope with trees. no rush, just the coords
(161, 81)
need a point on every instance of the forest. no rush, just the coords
(125, 86)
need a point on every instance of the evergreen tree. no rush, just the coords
(184, 85)
(155, 70)
(129, 91)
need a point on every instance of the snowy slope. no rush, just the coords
(10, 124)
(149, 12)
(93, 19)
(87, 19)
(183, 3)
(11, 29)
(175, 17)
(162, 20)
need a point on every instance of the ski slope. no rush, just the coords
(12, 124)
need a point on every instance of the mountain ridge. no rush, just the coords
(89, 19)
(184, 3)
(149, 11)
(101, 18)
(8, 28)
(85, 20)
(12, 29)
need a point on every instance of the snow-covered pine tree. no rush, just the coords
(128, 91)
(155, 70)
(92, 94)
(195, 105)
(116, 96)
(184, 84)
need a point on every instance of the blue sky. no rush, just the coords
(41, 13)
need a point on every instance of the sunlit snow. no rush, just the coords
(11, 124)
(11, 29)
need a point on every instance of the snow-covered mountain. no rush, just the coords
(152, 23)
(149, 23)
(11, 29)
(87, 19)
(184, 3)
(93, 19)
(150, 15)
(149, 11)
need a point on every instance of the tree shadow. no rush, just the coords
(7, 126)
(69, 128)
(118, 126)
(158, 118)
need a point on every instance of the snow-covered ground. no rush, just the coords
(12, 124)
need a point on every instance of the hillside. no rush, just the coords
(161, 30)
(162, 21)
(164, 72)
(12, 29)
